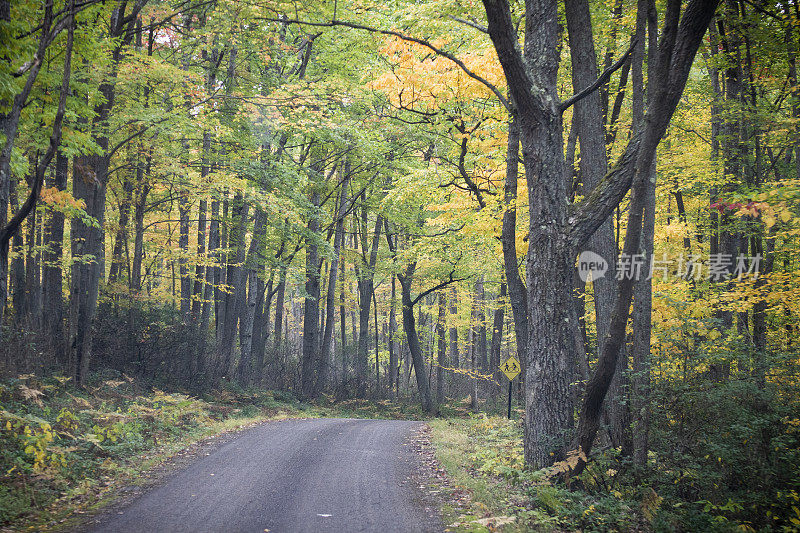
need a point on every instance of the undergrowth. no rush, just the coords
(64, 449)
(483, 458)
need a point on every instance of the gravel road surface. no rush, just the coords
(336, 475)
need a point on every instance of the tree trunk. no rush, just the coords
(442, 348)
(121, 238)
(311, 344)
(255, 295)
(394, 364)
(497, 338)
(454, 329)
(365, 288)
(480, 297)
(52, 292)
(279, 303)
(235, 298)
(409, 326)
(326, 354)
(90, 179)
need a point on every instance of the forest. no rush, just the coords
(343, 200)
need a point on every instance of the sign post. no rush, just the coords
(511, 368)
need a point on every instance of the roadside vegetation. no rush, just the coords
(709, 482)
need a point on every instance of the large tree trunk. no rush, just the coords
(90, 179)
(554, 238)
(89, 185)
(641, 316)
(588, 120)
(326, 354)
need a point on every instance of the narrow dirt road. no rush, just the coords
(337, 475)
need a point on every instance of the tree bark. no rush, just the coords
(366, 277)
(394, 363)
(442, 348)
(516, 288)
(497, 337)
(326, 354)
(52, 292)
(311, 343)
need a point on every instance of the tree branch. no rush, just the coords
(566, 104)
(404, 37)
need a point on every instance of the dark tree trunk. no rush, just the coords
(497, 337)
(234, 299)
(635, 441)
(143, 190)
(52, 293)
(326, 354)
(516, 288)
(554, 237)
(394, 364)
(184, 208)
(410, 328)
(90, 179)
(33, 279)
(311, 343)
(454, 359)
(255, 296)
(442, 348)
(17, 270)
(279, 303)
(365, 288)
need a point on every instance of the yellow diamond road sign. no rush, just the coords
(511, 368)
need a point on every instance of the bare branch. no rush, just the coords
(471, 24)
(569, 102)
